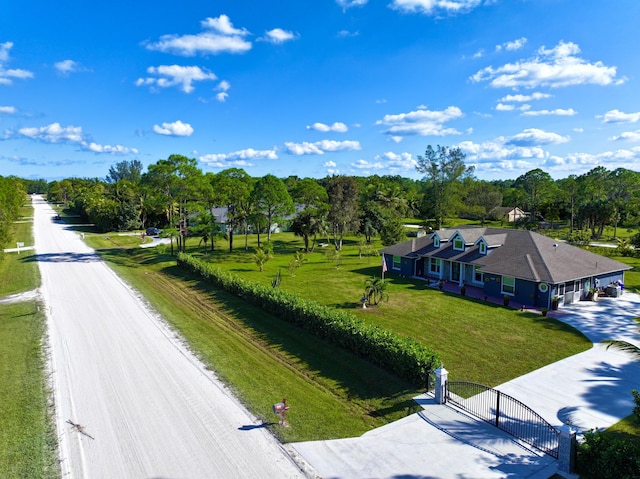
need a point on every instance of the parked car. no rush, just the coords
(153, 231)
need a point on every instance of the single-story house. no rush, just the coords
(527, 266)
(508, 214)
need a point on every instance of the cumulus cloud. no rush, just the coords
(421, 122)
(351, 3)
(504, 107)
(535, 136)
(616, 116)
(337, 127)
(56, 133)
(321, 147)
(177, 128)
(525, 98)
(66, 67)
(627, 136)
(436, 7)
(556, 67)
(557, 112)
(238, 158)
(329, 164)
(223, 87)
(8, 110)
(166, 76)
(278, 36)
(513, 45)
(220, 36)
(7, 75)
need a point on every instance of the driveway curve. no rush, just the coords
(130, 400)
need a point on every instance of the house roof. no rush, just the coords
(519, 253)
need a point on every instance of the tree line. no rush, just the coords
(175, 195)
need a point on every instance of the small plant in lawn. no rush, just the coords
(333, 255)
(277, 279)
(376, 290)
(261, 257)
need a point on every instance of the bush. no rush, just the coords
(602, 456)
(401, 356)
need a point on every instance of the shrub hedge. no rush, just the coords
(403, 357)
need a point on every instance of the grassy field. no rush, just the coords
(17, 273)
(335, 393)
(27, 437)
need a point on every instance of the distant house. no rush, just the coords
(527, 266)
(509, 214)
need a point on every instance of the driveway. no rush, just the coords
(130, 400)
(590, 389)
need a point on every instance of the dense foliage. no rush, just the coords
(401, 356)
(12, 196)
(604, 456)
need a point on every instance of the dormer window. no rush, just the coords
(483, 247)
(458, 244)
(436, 241)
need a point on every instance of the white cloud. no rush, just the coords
(365, 165)
(557, 111)
(223, 87)
(278, 36)
(556, 67)
(434, 7)
(627, 136)
(55, 133)
(8, 110)
(534, 137)
(616, 116)
(66, 67)
(478, 54)
(114, 150)
(421, 122)
(223, 25)
(337, 126)
(513, 45)
(351, 3)
(175, 75)
(503, 107)
(347, 34)
(320, 147)
(238, 158)
(7, 75)
(177, 128)
(329, 164)
(221, 37)
(524, 98)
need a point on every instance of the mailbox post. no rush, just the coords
(281, 409)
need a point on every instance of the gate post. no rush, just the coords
(441, 385)
(567, 449)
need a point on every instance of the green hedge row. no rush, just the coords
(402, 356)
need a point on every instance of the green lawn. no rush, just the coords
(17, 273)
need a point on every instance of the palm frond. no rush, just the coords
(624, 346)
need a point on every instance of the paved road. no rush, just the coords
(131, 401)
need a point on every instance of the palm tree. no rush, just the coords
(376, 290)
(624, 345)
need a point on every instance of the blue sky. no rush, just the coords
(319, 87)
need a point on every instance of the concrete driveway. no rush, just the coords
(591, 389)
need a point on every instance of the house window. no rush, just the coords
(436, 242)
(396, 262)
(434, 265)
(458, 244)
(478, 275)
(560, 290)
(508, 285)
(483, 247)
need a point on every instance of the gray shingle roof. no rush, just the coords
(519, 253)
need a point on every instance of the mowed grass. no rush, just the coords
(17, 272)
(478, 341)
(331, 393)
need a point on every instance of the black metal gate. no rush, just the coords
(506, 413)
